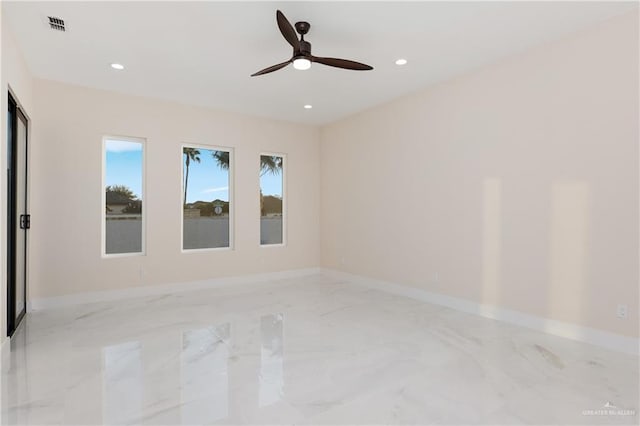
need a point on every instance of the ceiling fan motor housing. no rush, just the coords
(305, 48)
(302, 28)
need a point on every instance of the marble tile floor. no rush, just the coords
(312, 350)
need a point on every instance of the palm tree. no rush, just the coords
(271, 164)
(262, 213)
(268, 163)
(222, 158)
(190, 154)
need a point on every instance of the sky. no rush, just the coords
(124, 165)
(271, 184)
(207, 181)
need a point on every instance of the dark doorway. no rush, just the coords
(18, 220)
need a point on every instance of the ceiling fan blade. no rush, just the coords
(287, 30)
(272, 68)
(342, 63)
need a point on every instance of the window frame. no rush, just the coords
(285, 213)
(232, 203)
(143, 236)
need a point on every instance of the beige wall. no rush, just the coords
(515, 185)
(66, 162)
(15, 76)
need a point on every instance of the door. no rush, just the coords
(18, 220)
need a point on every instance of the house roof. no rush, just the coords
(117, 198)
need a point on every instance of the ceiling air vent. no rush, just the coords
(56, 23)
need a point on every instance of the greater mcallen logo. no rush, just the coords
(609, 409)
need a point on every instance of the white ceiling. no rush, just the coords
(202, 53)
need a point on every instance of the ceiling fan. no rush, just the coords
(302, 57)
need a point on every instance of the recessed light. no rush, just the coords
(401, 62)
(118, 67)
(308, 106)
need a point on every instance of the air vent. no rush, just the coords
(56, 24)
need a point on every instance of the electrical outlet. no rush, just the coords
(622, 311)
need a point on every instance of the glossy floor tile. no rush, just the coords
(310, 350)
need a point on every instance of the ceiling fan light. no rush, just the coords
(301, 64)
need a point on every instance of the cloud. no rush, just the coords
(220, 189)
(123, 146)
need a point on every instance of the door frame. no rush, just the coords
(13, 215)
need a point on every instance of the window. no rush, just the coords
(123, 189)
(271, 199)
(206, 198)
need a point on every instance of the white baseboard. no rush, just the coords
(558, 328)
(127, 293)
